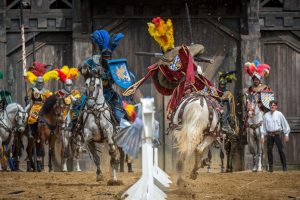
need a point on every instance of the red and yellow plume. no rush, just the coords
(130, 110)
(39, 69)
(258, 68)
(162, 33)
(67, 73)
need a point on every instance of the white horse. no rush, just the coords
(195, 131)
(254, 122)
(71, 143)
(98, 126)
(12, 120)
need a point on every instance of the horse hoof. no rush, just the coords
(99, 177)
(113, 182)
(78, 170)
(181, 183)
(194, 175)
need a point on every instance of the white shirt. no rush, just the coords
(274, 122)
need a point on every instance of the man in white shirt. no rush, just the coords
(274, 123)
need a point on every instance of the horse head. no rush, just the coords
(17, 115)
(94, 91)
(252, 106)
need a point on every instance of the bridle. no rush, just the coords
(16, 120)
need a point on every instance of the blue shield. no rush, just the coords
(266, 97)
(120, 73)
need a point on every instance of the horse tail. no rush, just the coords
(194, 121)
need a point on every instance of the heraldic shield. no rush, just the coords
(266, 97)
(120, 73)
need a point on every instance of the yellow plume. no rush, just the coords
(162, 33)
(65, 69)
(49, 75)
(31, 77)
(73, 73)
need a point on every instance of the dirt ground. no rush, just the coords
(235, 186)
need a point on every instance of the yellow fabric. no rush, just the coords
(162, 33)
(68, 101)
(229, 95)
(36, 107)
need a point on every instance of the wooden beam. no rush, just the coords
(68, 3)
(14, 48)
(264, 3)
(225, 29)
(12, 4)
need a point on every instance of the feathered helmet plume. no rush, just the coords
(162, 33)
(67, 73)
(105, 41)
(227, 77)
(40, 69)
(257, 69)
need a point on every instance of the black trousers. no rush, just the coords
(271, 139)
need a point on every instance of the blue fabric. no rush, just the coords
(77, 108)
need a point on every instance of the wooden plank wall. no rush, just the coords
(282, 52)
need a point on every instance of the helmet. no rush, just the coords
(68, 85)
(106, 54)
(256, 75)
(39, 83)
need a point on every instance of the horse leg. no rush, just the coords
(207, 161)
(229, 156)
(260, 154)
(77, 166)
(52, 140)
(252, 145)
(180, 169)
(1, 154)
(29, 150)
(114, 163)
(96, 158)
(222, 160)
(207, 141)
(65, 136)
(122, 159)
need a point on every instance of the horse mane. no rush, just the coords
(12, 107)
(48, 105)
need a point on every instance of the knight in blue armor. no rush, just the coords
(112, 72)
(99, 65)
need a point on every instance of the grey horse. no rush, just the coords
(253, 124)
(12, 119)
(98, 126)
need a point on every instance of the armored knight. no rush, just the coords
(228, 116)
(262, 93)
(72, 99)
(111, 71)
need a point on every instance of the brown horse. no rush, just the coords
(45, 131)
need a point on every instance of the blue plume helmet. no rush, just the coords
(106, 41)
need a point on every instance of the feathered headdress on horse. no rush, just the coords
(162, 33)
(257, 69)
(40, 69)
(67, 73)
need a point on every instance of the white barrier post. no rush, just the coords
(144, 188)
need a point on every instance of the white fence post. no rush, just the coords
(144, 188)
